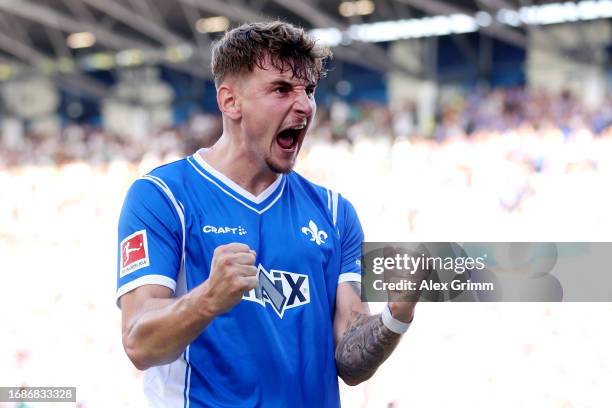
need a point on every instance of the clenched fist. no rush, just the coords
(403, 301)
(232, 273)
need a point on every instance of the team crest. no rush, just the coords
(315, 234)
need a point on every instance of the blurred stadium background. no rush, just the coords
(440, 120)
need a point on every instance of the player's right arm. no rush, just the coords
(157, 328)
(157, 325)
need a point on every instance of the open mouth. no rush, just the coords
(288, 138)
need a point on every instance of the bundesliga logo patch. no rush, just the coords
(134, 252)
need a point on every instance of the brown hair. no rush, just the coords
(283, 45)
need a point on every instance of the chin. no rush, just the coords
(281, 168)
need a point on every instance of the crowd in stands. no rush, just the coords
(508, 165)
(472, 115)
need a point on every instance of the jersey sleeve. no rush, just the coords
(351, 236)
(150, 237)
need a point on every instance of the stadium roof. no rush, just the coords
(66, 37)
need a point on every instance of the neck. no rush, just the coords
(232, 159)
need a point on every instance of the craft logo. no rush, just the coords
(134, 252)
(211, 229)
(282, 290)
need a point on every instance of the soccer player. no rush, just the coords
(238, 279)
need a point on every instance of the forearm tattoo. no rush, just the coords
(364, 346)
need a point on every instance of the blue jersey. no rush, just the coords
(275, 348)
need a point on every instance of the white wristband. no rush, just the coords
(392, 323)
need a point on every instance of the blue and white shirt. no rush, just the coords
(275, 348)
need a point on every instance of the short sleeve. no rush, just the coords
(150, 237)
(351, 236)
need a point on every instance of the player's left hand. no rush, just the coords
(403, 302)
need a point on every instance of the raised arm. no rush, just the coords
(156, 328)
(363, 342)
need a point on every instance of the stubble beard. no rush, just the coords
(277, 168)
(274, 167)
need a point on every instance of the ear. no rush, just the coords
(227, 100)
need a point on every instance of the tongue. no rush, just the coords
(285, 140)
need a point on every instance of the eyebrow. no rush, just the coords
(285, 82)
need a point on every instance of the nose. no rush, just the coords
(304, 105)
